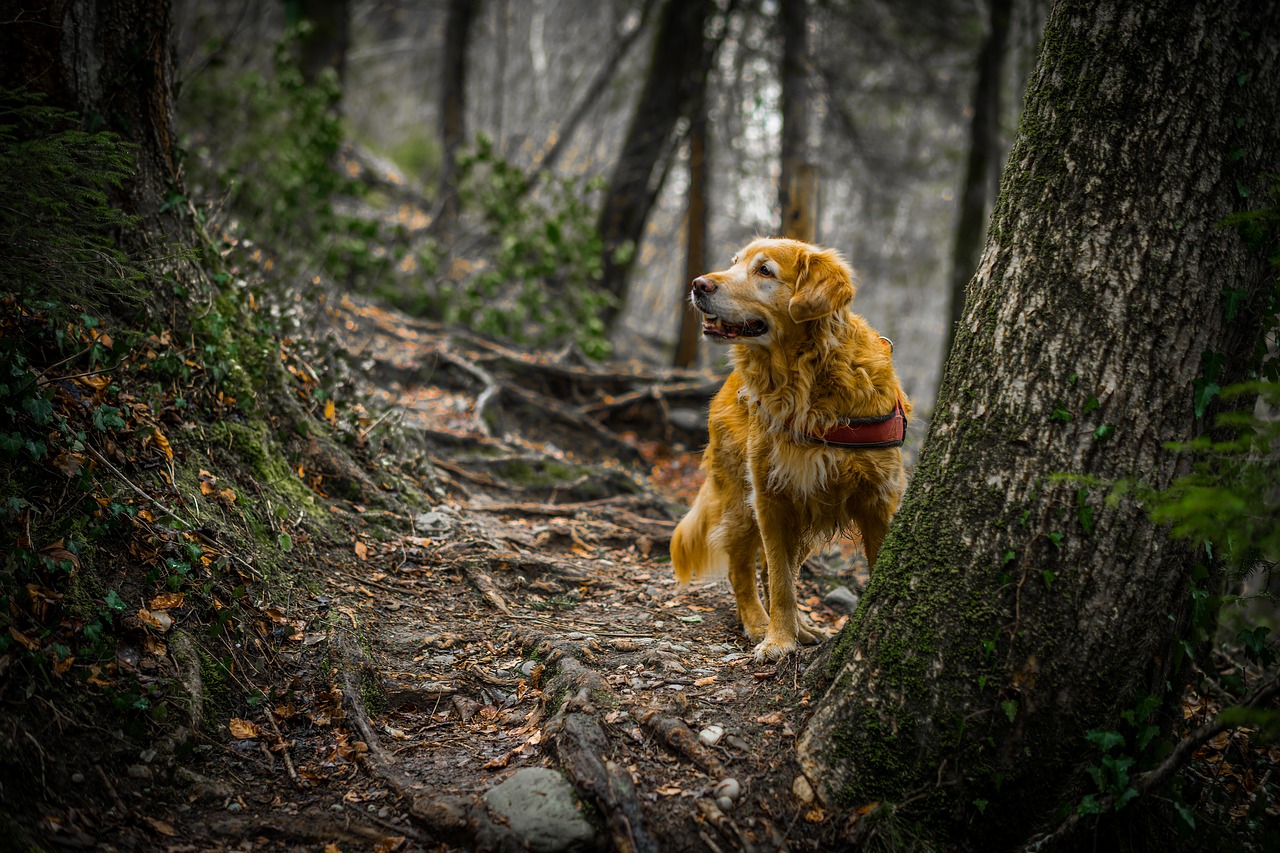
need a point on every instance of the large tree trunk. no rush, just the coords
(675, 84)
(110, 61)
(1010, 610)
(984, 141)
(798, 179)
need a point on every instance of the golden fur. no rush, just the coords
(768, 487)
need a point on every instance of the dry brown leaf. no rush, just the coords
(243, 729)
(167, 600)
(362, 550)
(158, 619)
(160, 826)
(773, 719)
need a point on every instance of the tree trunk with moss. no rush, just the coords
(111, 62)
(1012, 610)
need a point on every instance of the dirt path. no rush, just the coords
(519, 623)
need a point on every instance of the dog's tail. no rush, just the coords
(695, 552)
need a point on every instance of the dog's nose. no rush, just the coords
(704, 285)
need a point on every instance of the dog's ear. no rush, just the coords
(824, 285)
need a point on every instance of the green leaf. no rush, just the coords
(1062, 415)
(980, 805)
(1129, 795)
(40, 409)
(1055, 538)
(1010, 708)
(1188, 816)
(114, 601)
(1105, 739)
(1104, 432)
(285, 542)
(1049, 578)
(1089, 405)
(1205, 391)
(694, 618)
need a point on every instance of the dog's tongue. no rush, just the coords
(722, 328)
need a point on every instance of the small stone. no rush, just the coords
(528, 667)
(841, 598)
(658, 623)
(234, 807)
(538, 804)
(77, 777)
(139, 771)
(724, 804)
(802, 789)
(711, 735)
(728, 788)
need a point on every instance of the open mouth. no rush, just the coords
(715, 327)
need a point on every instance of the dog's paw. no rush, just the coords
(771, 649)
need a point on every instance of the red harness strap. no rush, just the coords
(864, 433)
(859, 433)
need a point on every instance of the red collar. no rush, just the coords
(865, 433)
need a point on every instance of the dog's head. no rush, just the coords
(773, 291)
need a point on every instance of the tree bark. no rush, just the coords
(984, 140)
(111, 62)
(798, 179)
(695, 240)
(326, 45)
(1012, 610)
(675, 83)
(453, 104)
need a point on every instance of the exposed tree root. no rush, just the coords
(581, 747)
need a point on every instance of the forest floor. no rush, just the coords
(501, 661)
(528, 618)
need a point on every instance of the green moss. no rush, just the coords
(252, 444)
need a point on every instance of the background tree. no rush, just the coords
(676, 80)
(983, 162)
(325, 44)
(798, 179)
(1012, 610)
(695, 238)
(453, 101)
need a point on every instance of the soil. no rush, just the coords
(526, 618)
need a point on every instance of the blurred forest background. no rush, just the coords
(536, 102)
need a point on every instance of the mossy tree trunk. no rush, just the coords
(110, 61)
(1011, 611)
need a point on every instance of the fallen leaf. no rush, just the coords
(158, 619)
(329, 411)
(243, 729)
(362, 550)
(161, 826)
(166, 600)
(773, 719)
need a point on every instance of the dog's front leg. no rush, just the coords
(780, 536)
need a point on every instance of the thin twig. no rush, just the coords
(284, 747)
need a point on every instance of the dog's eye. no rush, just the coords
(765, 271)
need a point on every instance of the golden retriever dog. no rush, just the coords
(805, 433)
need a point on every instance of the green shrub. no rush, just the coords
(539, 280)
